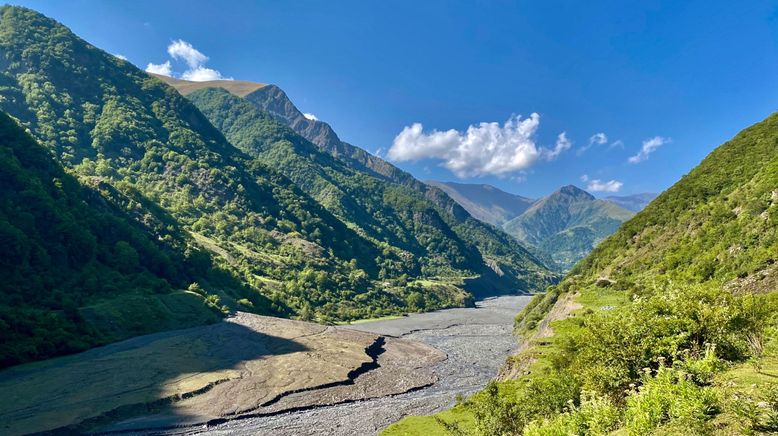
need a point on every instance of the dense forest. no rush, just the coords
(668, 327)
(79, 270)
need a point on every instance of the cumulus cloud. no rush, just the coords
(598, 185)
(164, 69)
(310, 116)
(182, 51)
(483, 149)
(649, 146)
(203, 74)
(120, 56)
(585, 178)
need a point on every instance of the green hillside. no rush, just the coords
(567, 224)
(79, 271)
(102, 117)
(668, 327)
(431, 241)
(510, 267)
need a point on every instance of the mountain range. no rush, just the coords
(277, 214)
(485, 202)
(634, 202)
(561, 228)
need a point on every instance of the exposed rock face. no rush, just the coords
(247, 365)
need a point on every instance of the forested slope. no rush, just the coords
(78, 271)
(102, 117)
(432, 241)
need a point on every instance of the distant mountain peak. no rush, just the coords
(567, 224)
(574, 191)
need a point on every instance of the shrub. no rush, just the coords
(596, 415)
(669, 399)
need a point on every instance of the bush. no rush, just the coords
(596, 415)
(669, 399)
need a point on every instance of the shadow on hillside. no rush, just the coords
(489, 284)
(141, 376)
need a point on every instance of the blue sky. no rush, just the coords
(679, 77)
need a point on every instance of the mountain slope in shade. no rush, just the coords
(567, 224)
(485, 202)
(78, 271)
(274, 101)
(634, 202)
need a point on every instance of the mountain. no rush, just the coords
(567, 224)
(668, 326)
(79, 271)
(106, 121)
(431, 232)
(485, 202)
(634, 202)
(717, 222)
(102, 117)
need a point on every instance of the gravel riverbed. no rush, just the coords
(476, 341)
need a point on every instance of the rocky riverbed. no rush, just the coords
(476, 342)
(260, 375)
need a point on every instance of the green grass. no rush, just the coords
(429, 426)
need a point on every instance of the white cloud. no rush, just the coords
(562, 144)
(596, 139)
(120, 56)
(486, 148)
(194, 59)
(617, 143)
(164, 69)
(649, 146)
(182, 50)
(598, 185)
(310, 116)
(585, 178)
(203, 74)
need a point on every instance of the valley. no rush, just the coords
(186, 253)
(260, 375)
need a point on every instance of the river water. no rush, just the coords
(476, 340)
